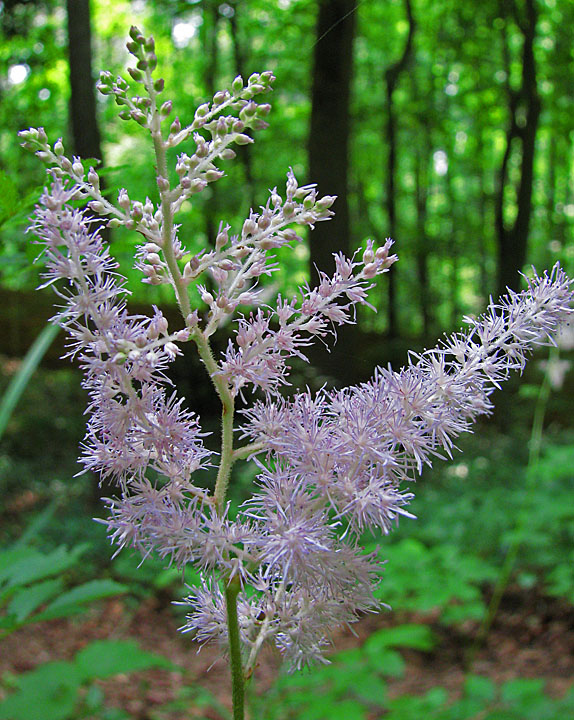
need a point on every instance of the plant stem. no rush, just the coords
(228, 408)
(227, 457)
(237, 680)
(166, 204)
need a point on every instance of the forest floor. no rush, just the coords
(532, 637)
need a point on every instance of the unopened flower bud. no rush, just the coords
(162, 184)
(149, 44)
(249, 228)
(182, 335)
(202, 150)
(166, 109)
(192, 319)
(78, 168)
(135, 74)
(93, 178)
(309, 201)
(248, 111)
(123, 199)
(139, 117)
(196, 186)
(222, 238)
(370, 270)
(136, 34)
(368, 256)
(220, 97)
(264, 222)
(97, 207)
(213, 175)
(237, 85)
(325, 202)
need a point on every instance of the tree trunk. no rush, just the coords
(330, 125)
(83, 115)
(422, 240)
(484, 220)
(392, 75)
(524, 105)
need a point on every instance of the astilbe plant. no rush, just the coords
(332, 465)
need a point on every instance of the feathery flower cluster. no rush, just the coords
(331, 465)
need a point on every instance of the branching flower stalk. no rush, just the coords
(289, 567)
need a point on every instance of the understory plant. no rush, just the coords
(287, 566)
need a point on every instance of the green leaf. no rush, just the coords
(48, 693)
(28, 599)
(523, 690)
(346, 710)
(36, 566)
(390, 662)
(459, 613)
(104, 658)
(409, 635)
(81, 595)
(476, 686)
(10, 558)
(21, 379)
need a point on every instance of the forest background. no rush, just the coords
(447, 126)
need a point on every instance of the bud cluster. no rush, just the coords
(265, 339)
(140, 109)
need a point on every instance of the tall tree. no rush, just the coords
(83, 115)
(392, 75)
(524, 109)
(330, 125)
(422, 154)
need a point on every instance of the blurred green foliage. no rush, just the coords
(451, 106)
(52, 691)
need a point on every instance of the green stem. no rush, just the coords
(227, 400)
(166, 205)
(228, 408)
(523, 515)
(237, 680)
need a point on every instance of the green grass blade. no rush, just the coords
(22, 377)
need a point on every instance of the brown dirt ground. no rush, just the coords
(533, 636)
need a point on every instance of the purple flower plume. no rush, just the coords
(331, 465)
